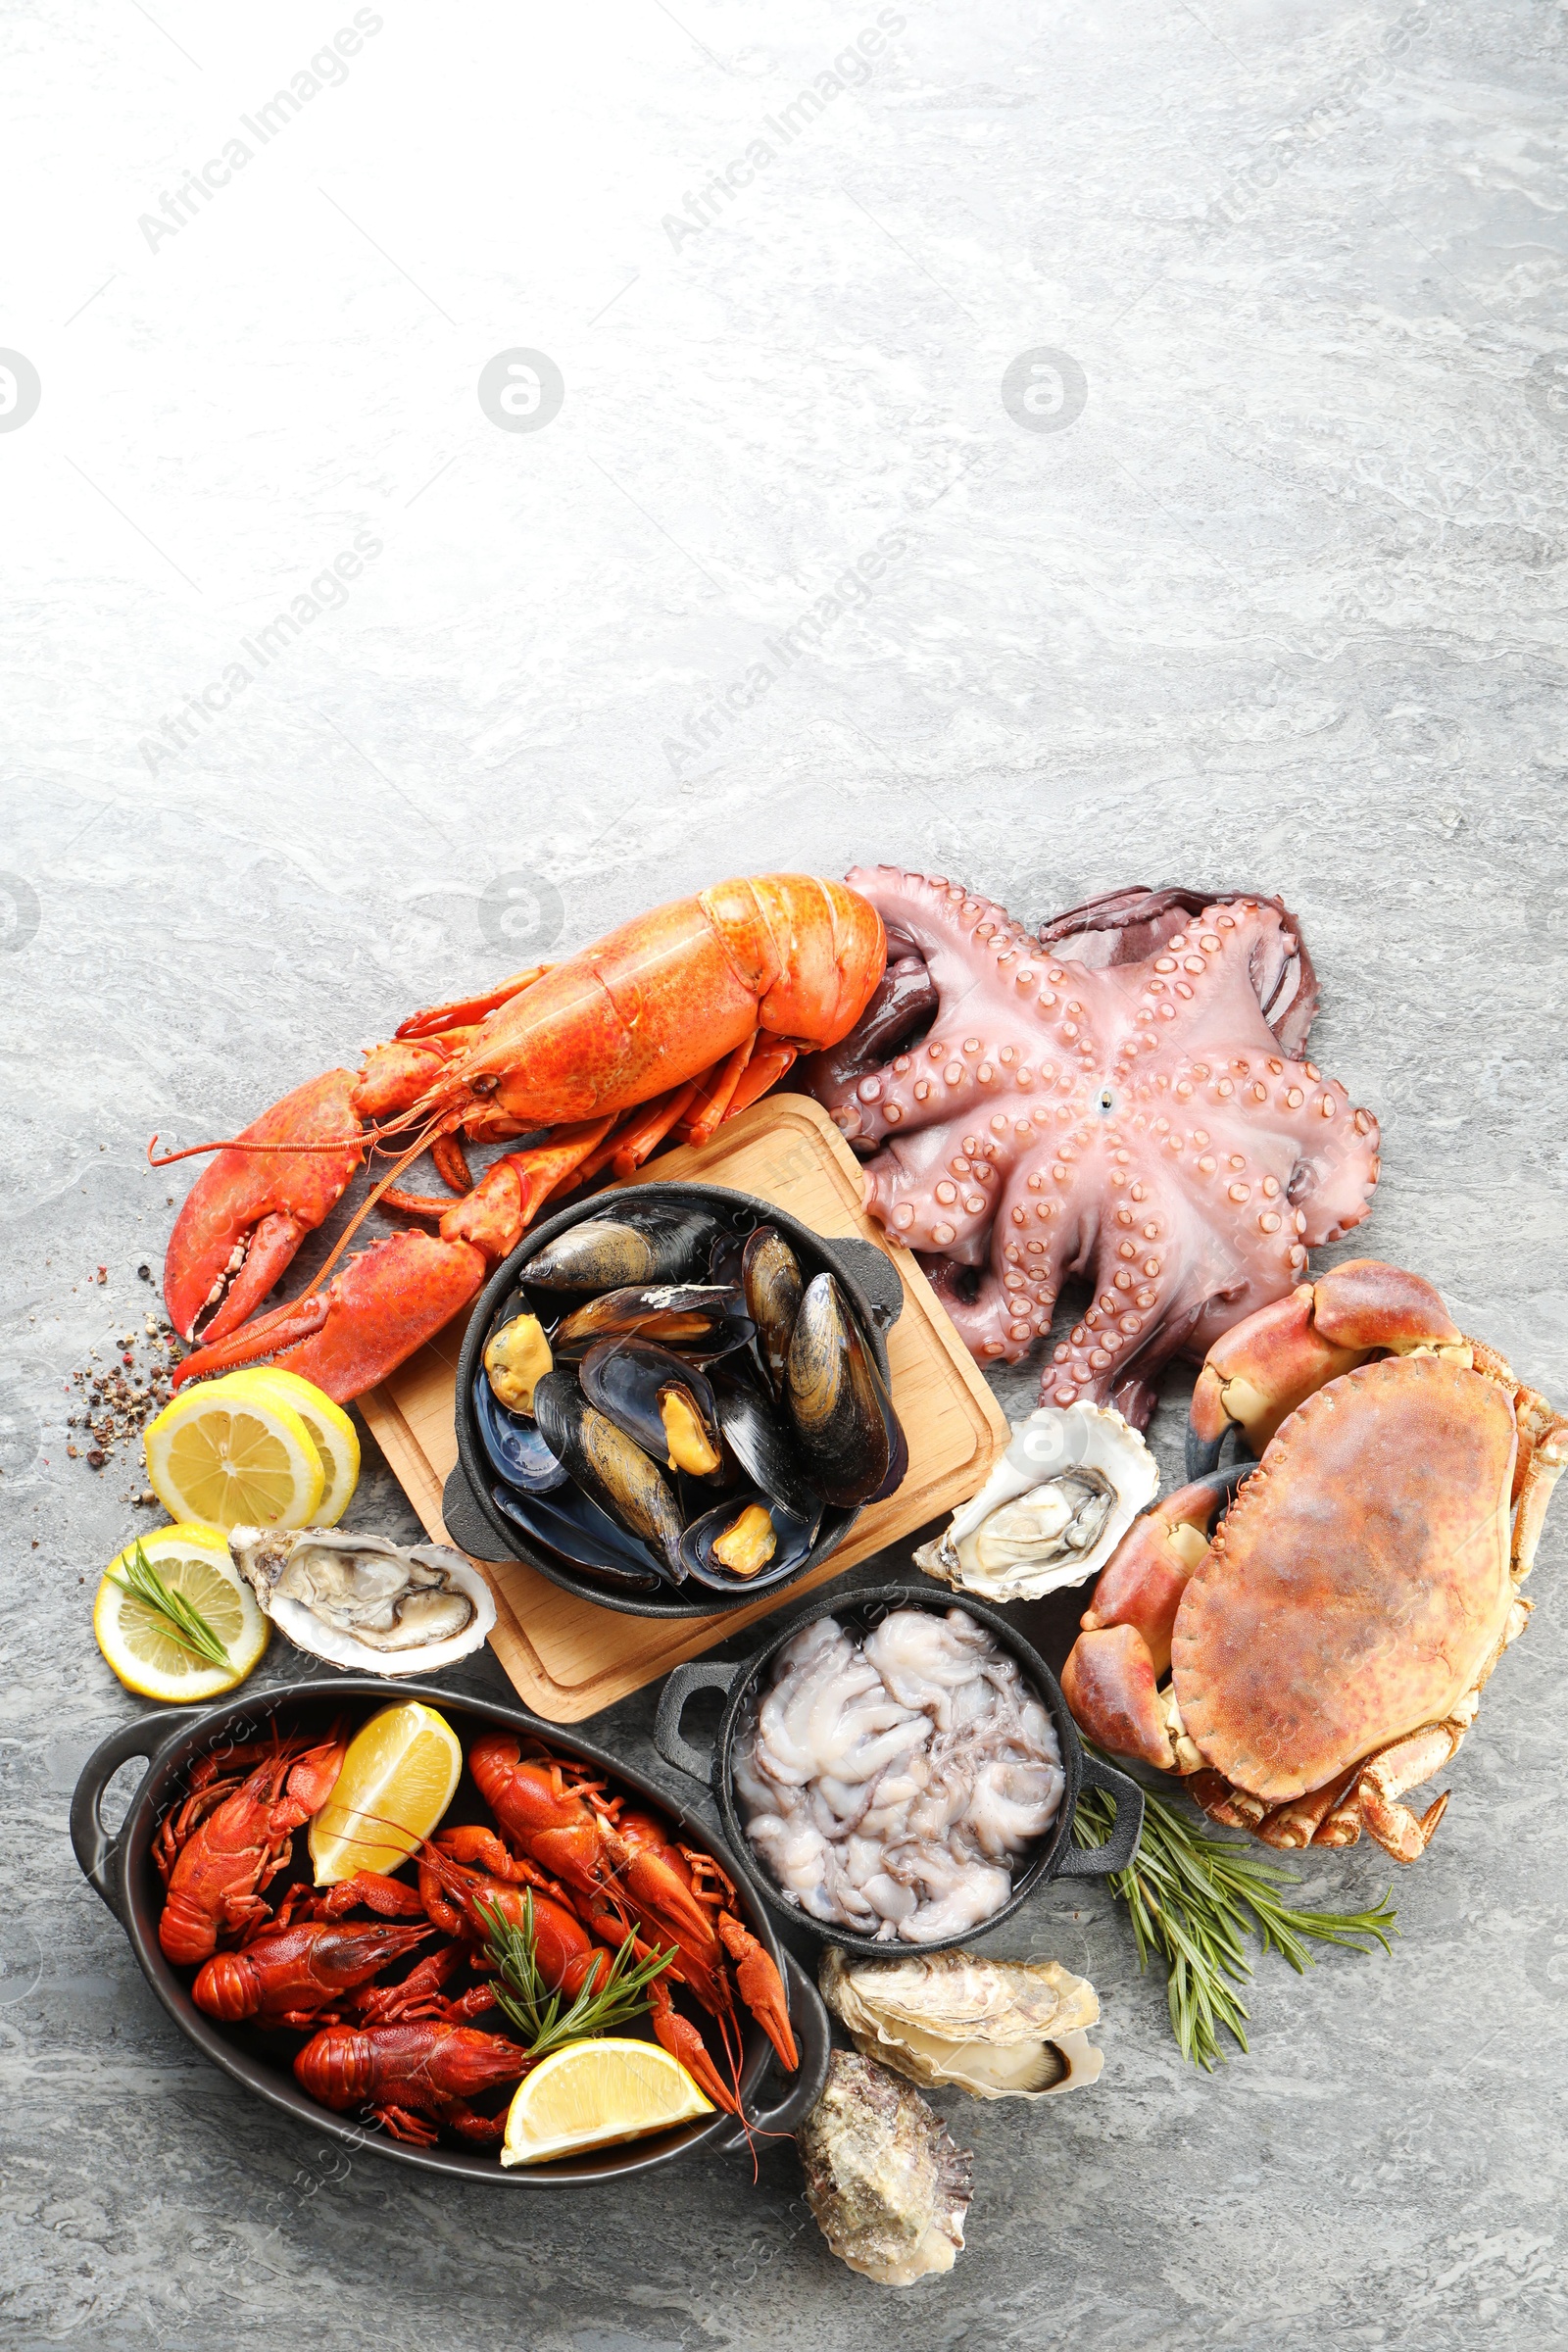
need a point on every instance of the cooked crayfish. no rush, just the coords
(670, 1024)
(230, 1838)
(310, 1972)
(411, 2078)
(625, 1877)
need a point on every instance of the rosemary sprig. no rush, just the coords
(535, 2011)
(1196, 1898)
(183, 1621)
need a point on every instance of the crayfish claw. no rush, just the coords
(761, 1987)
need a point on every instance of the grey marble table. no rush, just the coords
(465, 476)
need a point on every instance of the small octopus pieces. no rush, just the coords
(890, 1784)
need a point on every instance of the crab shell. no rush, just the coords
(1360, 1584)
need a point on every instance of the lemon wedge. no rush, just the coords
(397, 1781)
(332, 1433)
(136, 1640)
(592, 2093)
(232, 1460)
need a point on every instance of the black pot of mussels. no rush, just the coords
(673, 1398)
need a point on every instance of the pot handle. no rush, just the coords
(1097, 1861)
(97, 1849)
(703, 1674)
(463, 1519)
(874, 1272)
(812, 2037)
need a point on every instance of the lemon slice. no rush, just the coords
(397, 1781)
(233, 1460)
(332, 1433)
(136, 1640)
(592, 2093)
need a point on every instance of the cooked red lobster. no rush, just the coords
(670, 1024)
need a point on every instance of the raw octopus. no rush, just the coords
(1117, 1100)
(889, 1784)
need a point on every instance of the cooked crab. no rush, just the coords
(1327, 1647)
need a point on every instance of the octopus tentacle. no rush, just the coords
(1138, 1122)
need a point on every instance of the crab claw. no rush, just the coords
(1110, 1685)
(1273, 1360)
(1143, 1582)
(248, 1211)
(370, 1318)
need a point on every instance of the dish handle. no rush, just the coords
(1099, 1861)
(680, 1684)
(813, 2037)
(874, 1270)
(97, 1848)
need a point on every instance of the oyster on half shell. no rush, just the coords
(998, 2029)
(886, 2184)
(363, 1603)
(1054, 1509)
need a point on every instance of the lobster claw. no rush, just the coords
(370, 1318)
(248, 1211)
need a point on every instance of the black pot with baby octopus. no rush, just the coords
(1056, 1856)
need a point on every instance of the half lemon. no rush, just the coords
(137, 1641)
(332, 1433)
(398, 1778)
(233, 1460)
(592, 2093)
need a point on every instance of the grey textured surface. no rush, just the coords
(1281, 605)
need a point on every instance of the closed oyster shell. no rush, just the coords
(886, 2184)
(998, 2029)
(1054, 1509)
(363, 1603)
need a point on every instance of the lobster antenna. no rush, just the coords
(421, 1143)
(364, 1136)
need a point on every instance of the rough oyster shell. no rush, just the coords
(886, 2184)
(363, 1603)
(1053, 1511)
(998, 2029)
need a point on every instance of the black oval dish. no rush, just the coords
(121, 1869)
(473, 1520)
(1057, 1858)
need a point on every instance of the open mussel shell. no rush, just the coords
(609, 1467)
(701, 1319)
(642, 1242)
(792, 1537)
(663, 1402)
(513, 1446)
(577, 1531)
(773, 1287)
(853, 1447)
(762, 1446)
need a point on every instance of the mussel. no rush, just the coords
(705, 1319)
(838, 1402)
(642, 1242)
(577, 1532)
(746, 1544)
(517, 1355)
(773, 1287)
(663, 1403)
(761, 1444)
(609, 1467)
(512, 1445)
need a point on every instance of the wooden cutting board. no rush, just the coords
(568, 1657)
